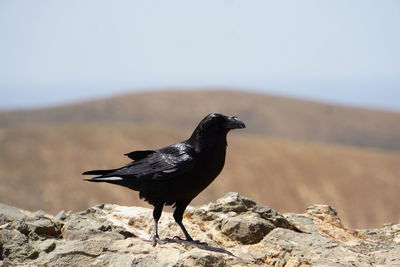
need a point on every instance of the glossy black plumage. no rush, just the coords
(175, 174)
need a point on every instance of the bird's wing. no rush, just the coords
(161, 164)
(139, 154)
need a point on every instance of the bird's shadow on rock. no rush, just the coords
(200, 245)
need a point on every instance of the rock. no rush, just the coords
(327, 221)
(47, 245)
(246, 229)
(9, 214)
(239, 232)
(36, 227)
(61, 216)
(301, 221)
(241, 219)
(201, 258)
(44, 226)
(15, 246)
(232, 202)
(274, 217)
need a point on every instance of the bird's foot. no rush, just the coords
(154, 240)
(197, 242)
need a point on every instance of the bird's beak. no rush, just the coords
(234, 123)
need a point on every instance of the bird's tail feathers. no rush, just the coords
(102, 176)
(104, 179)
(98, 172)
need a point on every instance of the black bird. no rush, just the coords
(176, 174)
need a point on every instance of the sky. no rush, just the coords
(338, 51)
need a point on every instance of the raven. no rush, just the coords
(175, 174)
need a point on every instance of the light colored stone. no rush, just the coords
(238, 232)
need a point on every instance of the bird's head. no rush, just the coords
(216, 124)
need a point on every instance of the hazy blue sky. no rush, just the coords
(344, 51)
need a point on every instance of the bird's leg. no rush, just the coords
(178, 215)
(156, 216)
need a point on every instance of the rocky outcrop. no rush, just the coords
(239, 232)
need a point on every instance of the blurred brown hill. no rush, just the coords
(293, 153)
(264, 114)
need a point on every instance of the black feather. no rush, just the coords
(139, 154)
(98, 172)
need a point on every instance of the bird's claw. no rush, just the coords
(154, 240)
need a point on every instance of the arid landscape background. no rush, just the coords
(293, 153)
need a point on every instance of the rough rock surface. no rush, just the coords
(238, 232)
